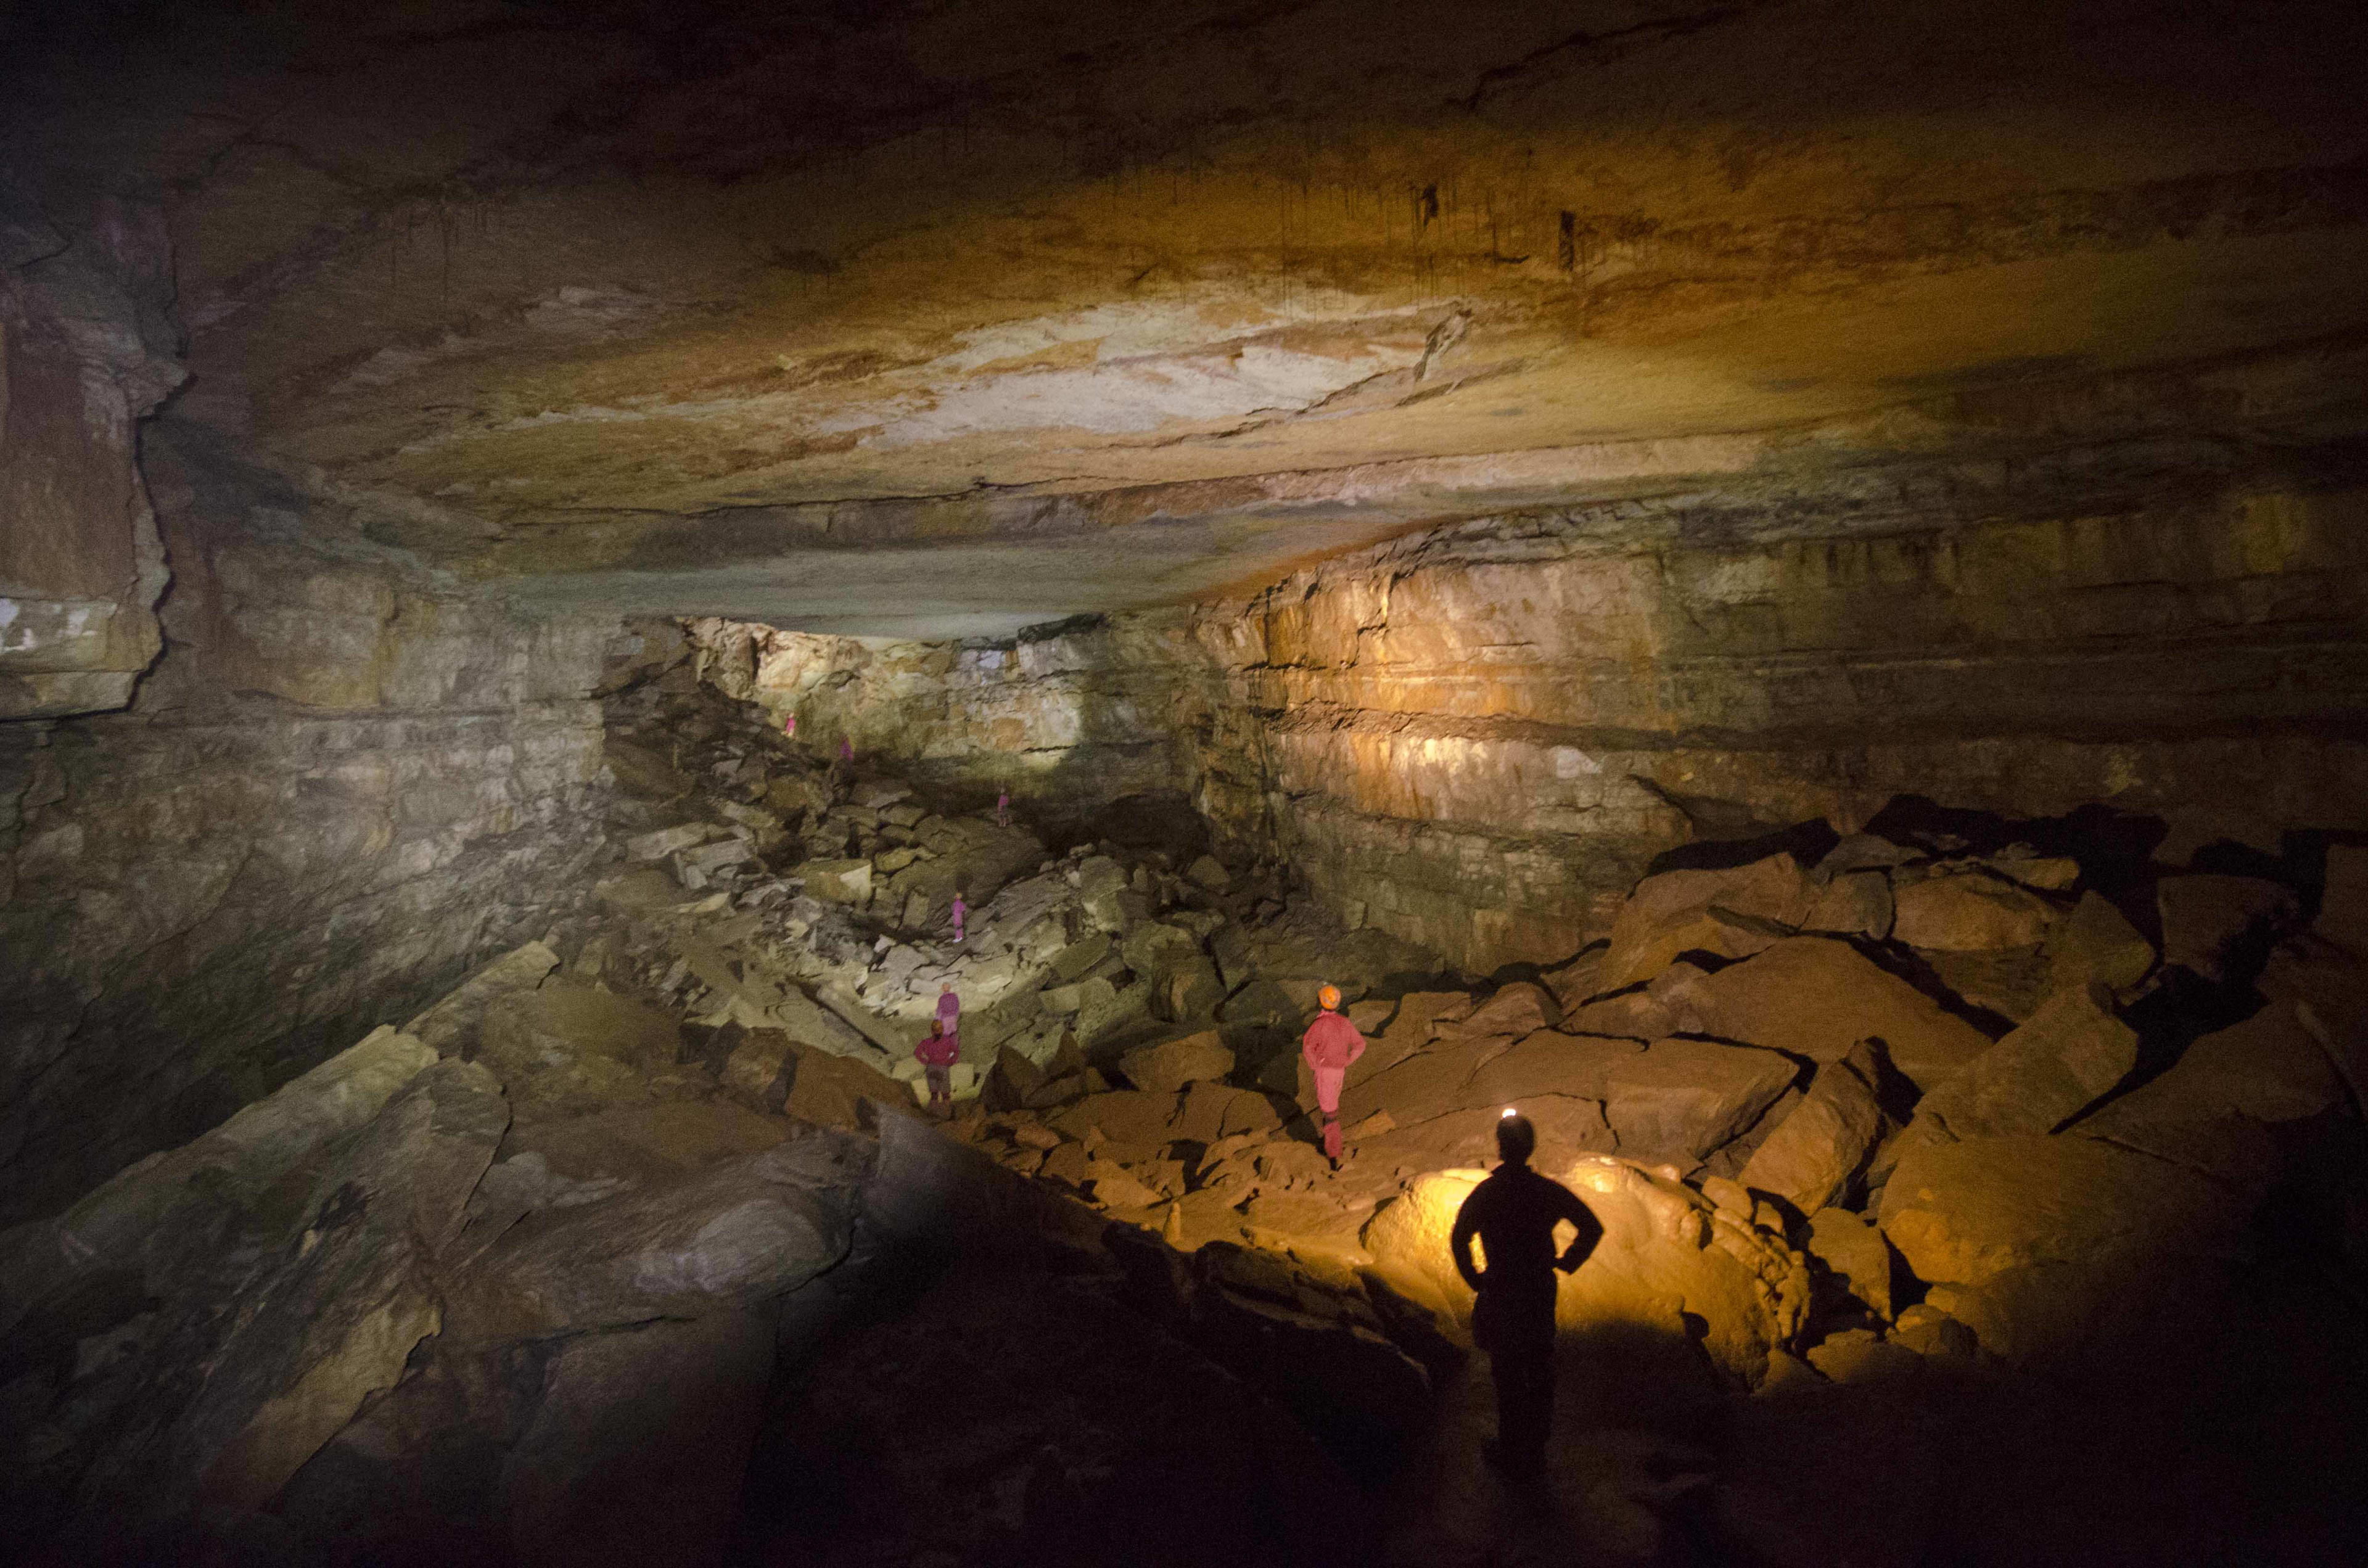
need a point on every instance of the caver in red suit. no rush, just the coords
(1330, 1045)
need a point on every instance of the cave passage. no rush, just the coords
(695, 701)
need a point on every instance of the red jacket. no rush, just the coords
(1331, 1042)
(939, 1049)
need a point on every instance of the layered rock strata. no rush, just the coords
(345, 782)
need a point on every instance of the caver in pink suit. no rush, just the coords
(1330, 1045)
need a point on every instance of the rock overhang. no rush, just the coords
(944, 321)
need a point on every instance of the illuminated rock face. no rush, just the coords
(1477, 738)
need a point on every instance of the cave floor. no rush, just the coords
(689, 1271)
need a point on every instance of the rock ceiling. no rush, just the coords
(939, 318)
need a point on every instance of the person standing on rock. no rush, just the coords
(790, 728)
(936, 1053)
(949, 1009)
(1003, 808)
(962, 912)
(1515, 1213)
(1331, 1046)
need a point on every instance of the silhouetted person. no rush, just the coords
(1514, 1214)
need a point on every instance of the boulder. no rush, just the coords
(1969, 912)
(1171, 1064)
(1862, 852)
(838, 881)
(1680, 1099)
(1208, 872)
(1637, 1015)
(1101, 884)
(1109, 1010)
(1211, 1111)
(1856, 904)
(2095, 943)
(830, 1090)
(1186, 989)
(1072, 962)
(245, 1293)
(1123, 1116)
(1816, 1152)
(2010, 982)
(2071, 1053)
(753, 1070)
(1818, 997)
(1967, 1214)
(662, 842)
(709, 858)
(2239, 1104)
(1518, 1008)
(1731, 913)
(2204, 918)
(1078, 995)
(730, 1236)
(450, 1026)
(569, 1048)
(1855, 1254)
(1153, 947)
(2047, 873)
(1574, 982)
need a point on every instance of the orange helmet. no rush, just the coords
(1328, 998)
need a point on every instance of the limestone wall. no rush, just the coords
(1064, 720)
(84, 350)
(1478, 738)
(343, 785)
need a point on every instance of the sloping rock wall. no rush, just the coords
(1478, 738)
(345, 783)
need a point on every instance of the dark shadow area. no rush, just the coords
(1807, 841)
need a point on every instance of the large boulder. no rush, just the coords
(1816, 1152)
(1818, 997)
(1186, 989)
(839, 881)
(2239, 1104)
(2063, 1251)
(1670, 1266)
(567, 1048)
(197, 1327)
(2068, 1055)
(1680, 1099)
(451, 1024)
(1856, 904)
(1123, 1116)
(2095, 943)
(830, 1090)
(728, 1237)
(1970, 911)
(1518, 1008)
(1731, 913)
(1171, 1064)
(1854, 1251)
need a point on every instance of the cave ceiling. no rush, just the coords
(940, 318)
